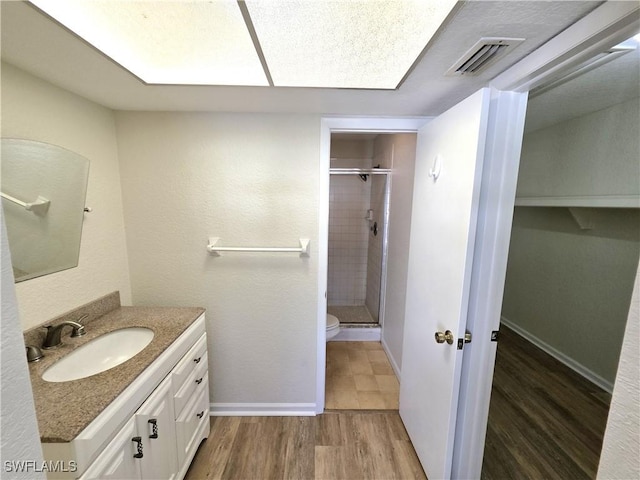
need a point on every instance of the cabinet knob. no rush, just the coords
(197, 360)
(138, 440)
(199, 381)
(199, 415)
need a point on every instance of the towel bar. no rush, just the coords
(41, 204)
(303, 249)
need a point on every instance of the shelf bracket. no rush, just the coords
(583, 217)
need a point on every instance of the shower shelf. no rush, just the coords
(215, 250)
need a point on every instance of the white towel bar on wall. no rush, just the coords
(41, 204)
(303, 249)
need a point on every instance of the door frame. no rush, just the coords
(607, 25)
(329, 125)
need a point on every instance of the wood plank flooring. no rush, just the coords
(359, 377)
(545, 420)
(332, 446)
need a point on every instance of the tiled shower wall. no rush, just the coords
(349, 199)
(355, 253)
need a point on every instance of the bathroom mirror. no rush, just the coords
(43, 195)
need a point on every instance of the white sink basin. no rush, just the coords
(100, 354)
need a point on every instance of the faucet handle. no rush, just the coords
(33, 353)
(78, 331)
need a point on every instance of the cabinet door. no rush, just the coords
(156, 426)
(117, 461)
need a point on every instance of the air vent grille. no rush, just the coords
(484, 52)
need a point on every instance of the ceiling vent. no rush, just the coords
(483, 53)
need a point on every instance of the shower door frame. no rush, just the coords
(382, 289)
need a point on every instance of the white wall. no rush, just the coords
(619, 458)
(566, 285)
(20, 439)
(595, 154)
(401, 149)
(36, 110)
(251, 180)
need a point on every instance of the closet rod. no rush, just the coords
(359, 171)
(303, 249)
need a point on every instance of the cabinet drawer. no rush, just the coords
(190, 421)
(193, 384)
(193, 358)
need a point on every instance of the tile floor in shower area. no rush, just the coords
(351, 314)
(359, 377)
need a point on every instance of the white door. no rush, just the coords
(448, 173)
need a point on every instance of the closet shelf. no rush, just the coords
(599, 201)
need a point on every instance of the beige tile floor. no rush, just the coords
(359, 377)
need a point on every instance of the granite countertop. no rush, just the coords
(65, 409)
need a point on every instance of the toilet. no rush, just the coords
(333, 326)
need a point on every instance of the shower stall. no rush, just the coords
(358, 219)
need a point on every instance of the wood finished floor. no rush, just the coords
(332, 446)
(359, 377)
(545, 420)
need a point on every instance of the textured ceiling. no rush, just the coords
(612, 83)
(39, 45)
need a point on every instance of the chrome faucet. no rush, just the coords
(52, 339)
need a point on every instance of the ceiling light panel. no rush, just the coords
(344, 44)
(167, 42)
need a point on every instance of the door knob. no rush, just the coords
(444, 337)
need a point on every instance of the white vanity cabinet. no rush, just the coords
(146, 445)
(191, 402)
(154, 427)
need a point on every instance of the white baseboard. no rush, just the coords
(392, 360)
(262, 409)
(356, 334)
(561, 357)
